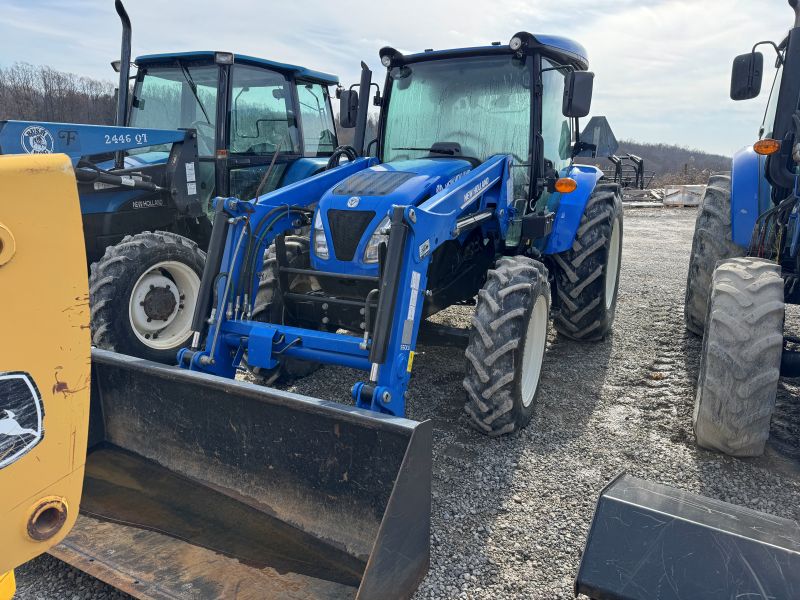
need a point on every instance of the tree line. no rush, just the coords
(40, 93)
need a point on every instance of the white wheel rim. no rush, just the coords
(533, 354)
(612, 269)
(174, 329)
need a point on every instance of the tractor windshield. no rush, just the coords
(179, 96)
(482, 103)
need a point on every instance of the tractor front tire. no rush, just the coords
(711, 243)
(268, 308)
(507, 345)
(741, 357)
(142, 295)
(587, 275)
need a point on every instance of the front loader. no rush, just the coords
(471, 198)
(195, 125)
(176, 484)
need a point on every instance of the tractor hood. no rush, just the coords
(350, 212)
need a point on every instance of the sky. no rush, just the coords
(662, 66)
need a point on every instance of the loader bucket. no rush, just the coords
(652, 541)
(202, 487)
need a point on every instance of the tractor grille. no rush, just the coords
(347, 228)
(372, 183)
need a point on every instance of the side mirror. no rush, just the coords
(348, 108)
(578, 86)
(748, 71)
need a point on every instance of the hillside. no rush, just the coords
(670, 164)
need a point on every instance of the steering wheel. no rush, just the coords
(337, 155)
(205, 137)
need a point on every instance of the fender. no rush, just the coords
(569, 208)
(303, 168)
(750, 194)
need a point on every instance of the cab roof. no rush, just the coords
(569, 51)
(241, 59)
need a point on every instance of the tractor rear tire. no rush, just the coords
(741, 357)
(587, 275)
(507, 345)
(267, 308)
(711, 243)
(142, 295)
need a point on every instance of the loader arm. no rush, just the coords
(479, 199)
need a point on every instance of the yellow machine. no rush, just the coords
(44, 357)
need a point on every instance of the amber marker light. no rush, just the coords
(565, 185)
(766, 147)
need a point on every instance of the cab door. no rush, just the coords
(263, 130)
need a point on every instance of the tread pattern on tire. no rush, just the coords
(712, 242)
(297, 254)
(496, 343)
(740, 362)
(580, 271)
(109, 274)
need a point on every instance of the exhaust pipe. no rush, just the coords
(124, 65)
(795, 4)
(124, 76)
(364, 89)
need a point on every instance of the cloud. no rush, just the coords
(662, 65)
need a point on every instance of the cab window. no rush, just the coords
(556, 128)
(260, 119)
(768, 126)
(319, 135)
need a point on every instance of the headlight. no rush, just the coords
(515, 43)
(379, 236)
(320, 243)
(386, 60)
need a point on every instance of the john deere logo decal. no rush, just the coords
(36, 140)
(21, 416)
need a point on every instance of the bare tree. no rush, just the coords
(40, 93)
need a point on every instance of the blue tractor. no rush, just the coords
(468, 195)
(197, 125)
(744, 264)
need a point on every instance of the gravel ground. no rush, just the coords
(510, 515)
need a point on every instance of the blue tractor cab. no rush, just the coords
(467, 195)
(196, 125)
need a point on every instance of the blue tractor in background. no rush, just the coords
(197, 125)
(744, 265)
(649, 540)
(468, 195)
